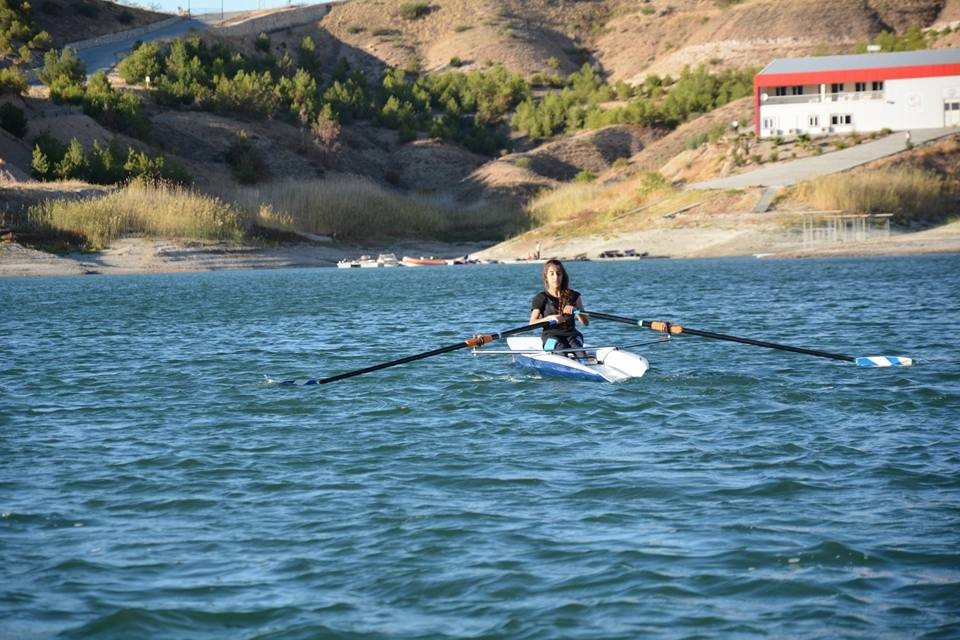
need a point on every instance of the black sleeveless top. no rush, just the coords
(547, 304)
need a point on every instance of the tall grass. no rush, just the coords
(581, 201)
(909, 193)
(140, 208)
(565, 202)
(355, 208)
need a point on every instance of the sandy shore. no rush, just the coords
(142, 255)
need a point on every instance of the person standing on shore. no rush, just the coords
(561, 303)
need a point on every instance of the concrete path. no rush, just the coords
(106, 56)
(787, 173)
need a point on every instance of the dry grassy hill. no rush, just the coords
(628, 39)
(625, 38)
(73, 20)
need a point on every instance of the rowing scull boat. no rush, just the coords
(599, 364)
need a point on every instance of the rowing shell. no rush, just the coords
(603, 364)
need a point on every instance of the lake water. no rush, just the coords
(153, 485)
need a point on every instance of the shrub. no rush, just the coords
(145, 61)
(12, 80)
(245, 160)
(262, 43)
(455, 61)
(125, 17)
(414, 10)
(585, 175)
(65, 74)
(13, 120)
(695, 141)
(40, 165)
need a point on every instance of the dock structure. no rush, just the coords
(844, 227)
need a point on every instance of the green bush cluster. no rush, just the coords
(66, 76)
(245, 160)
(657, 101)
(19, 36)
(53, 160)
(463, 107)
(469, 108)
(912, 39)
(414, 10)
(12, 80)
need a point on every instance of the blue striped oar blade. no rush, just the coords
(883, 361)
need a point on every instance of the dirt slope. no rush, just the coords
(74, 20)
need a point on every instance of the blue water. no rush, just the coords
(153, 485)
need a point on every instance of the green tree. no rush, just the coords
(40, 166)
(74, 164)
(12, 81)
(307, 56)
(145, 62)
(64, 73)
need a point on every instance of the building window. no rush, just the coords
(878, 85)
(836, 87)
(860, 86)
(769, 123)
(813, 122)
(841, 119)
(797, 90)
(779, 91)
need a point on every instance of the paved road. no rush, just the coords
(107, 55)
(788, 173)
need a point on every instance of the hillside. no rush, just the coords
(74, 20)
(627, 39)
(542, 40)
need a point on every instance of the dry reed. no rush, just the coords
(140, 208)
(909, 193)
(353, 208)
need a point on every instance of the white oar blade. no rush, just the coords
(884, 361)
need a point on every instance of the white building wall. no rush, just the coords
(902, 104)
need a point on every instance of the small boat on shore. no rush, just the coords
(388, 260)
(410, 261)
(598, 364)
(348, 264)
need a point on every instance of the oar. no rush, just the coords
(676, 329)
(476, 341)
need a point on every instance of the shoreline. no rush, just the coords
(137, 255)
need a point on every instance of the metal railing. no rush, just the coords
(808, 98)
(848, 227)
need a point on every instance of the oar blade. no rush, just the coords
(883, 361)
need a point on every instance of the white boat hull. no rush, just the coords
(606, 364)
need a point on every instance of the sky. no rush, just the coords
(214, 6)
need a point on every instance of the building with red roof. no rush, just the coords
(858, 93)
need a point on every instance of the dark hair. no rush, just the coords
(564, 295)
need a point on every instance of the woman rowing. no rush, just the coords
(561, 303)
